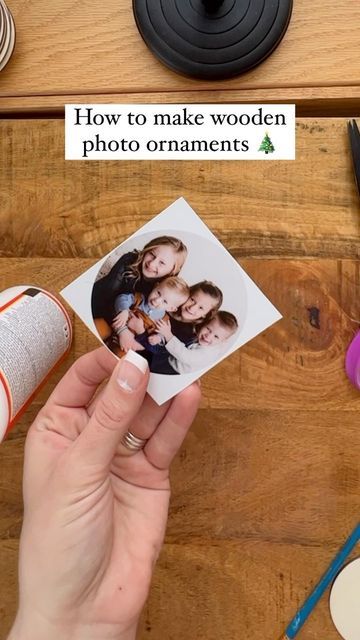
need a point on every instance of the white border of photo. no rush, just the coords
(241, 296)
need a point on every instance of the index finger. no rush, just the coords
(79, 384)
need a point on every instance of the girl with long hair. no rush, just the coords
(137, 270)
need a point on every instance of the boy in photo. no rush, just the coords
(207, 346)
(137, 315)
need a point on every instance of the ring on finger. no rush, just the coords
(133, 443)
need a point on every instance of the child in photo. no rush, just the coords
(202, 304)
(137, 271)
(207, 347)
(137, 314)
(130, 291)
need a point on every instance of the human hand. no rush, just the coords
(120, 320)
(95, 512)
(136, 324)
(126, 340)
(154, 339)
(137, 346)
(164, 327)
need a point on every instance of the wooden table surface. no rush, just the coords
(267, 484)
(85, 50)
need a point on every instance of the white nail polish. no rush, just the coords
(131, 371)
(137, 360)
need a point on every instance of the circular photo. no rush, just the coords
(174, 297)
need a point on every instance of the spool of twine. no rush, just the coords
(7, 34)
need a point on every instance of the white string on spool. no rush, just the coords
(7, 34)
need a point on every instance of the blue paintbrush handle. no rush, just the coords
(309, 604)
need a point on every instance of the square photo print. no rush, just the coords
(174, 294)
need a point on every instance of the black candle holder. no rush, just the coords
(212, 39)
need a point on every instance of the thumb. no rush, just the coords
(114, 412)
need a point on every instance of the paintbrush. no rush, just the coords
(311, 601)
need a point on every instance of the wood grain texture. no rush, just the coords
(310, 101)
(266, 487)
(8, 572)
(291, 365)
(241, 589)
(52, 207)
(84, 47)
(261, 501)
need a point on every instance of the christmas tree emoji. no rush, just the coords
(267, 145)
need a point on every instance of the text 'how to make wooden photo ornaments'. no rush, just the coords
(212, 39)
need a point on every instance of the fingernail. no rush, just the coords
(131, 371)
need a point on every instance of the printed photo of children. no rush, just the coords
(141, 303)
(205, 348)
(173, 293)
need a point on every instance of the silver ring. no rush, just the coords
(133, 443)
